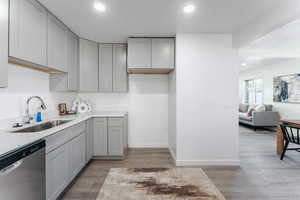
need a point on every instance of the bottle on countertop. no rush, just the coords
(39, 115)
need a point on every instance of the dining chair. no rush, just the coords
(291, 135)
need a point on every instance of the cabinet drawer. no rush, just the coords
(61, 137)
(77, 129)
(115, 122)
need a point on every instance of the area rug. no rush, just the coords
(158, 184)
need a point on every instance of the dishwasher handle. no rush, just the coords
(5, 171)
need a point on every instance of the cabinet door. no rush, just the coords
(28, 31)
(105, 67)
(72, 62)
(125, 133)
(139, 53)
(120, 68)
(88, 72)
(4, 42)
(100, 136)
(89, 140)
(76, 155)
(68, 81)
(163, 53)
(57, 44)
(58, 82)
(115, 136)
(56, 172)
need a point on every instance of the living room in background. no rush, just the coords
(252, 91)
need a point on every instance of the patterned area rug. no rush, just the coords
(158, 184)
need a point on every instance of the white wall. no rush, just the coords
(147, 105)
(23, 83)
(286, 110)
(283, 12)
(207, 99)
(172, 136)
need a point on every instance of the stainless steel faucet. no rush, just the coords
(28, 118)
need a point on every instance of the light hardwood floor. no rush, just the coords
(262, 176)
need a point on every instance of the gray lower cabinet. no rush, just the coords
(88, 72)
(56, 172)
(57, 44)
(28, 32)
(110, 137)
(89, 140)
(105, 67)
(4, 41)
(115, 136)
(65, 157)
(76, 155)
(120, 76)
(100, 136)
(68, 81)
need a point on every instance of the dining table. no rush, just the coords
(279, 135)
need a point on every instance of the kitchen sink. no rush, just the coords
(42, 127)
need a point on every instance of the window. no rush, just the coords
(253, 91)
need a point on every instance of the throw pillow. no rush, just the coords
(250, 111)
(260, 108)
(269, 107)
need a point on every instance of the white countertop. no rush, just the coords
(11, 141)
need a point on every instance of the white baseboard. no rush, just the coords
(148, 145)
(172, 154)
(208, 163)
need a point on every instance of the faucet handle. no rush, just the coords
(17, 125)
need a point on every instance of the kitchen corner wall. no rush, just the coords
(23, 83)
(147, 106)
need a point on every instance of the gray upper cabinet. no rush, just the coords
(163, 53)
(57, 44)
(120, 68)
(4, 43)
(105, 67)
(139, 53)
(68, 81)
(88, 73)
(151, 55)
(72, 62)
(28, 32)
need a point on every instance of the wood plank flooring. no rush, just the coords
(262, 176)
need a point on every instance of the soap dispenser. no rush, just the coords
(39, 115)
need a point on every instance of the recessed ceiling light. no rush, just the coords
(100, 6)
(189, 8)
(244, 64)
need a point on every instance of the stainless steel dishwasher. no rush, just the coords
(22, 173)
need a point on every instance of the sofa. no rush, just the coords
(265, 118)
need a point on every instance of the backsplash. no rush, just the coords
(22, 84)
